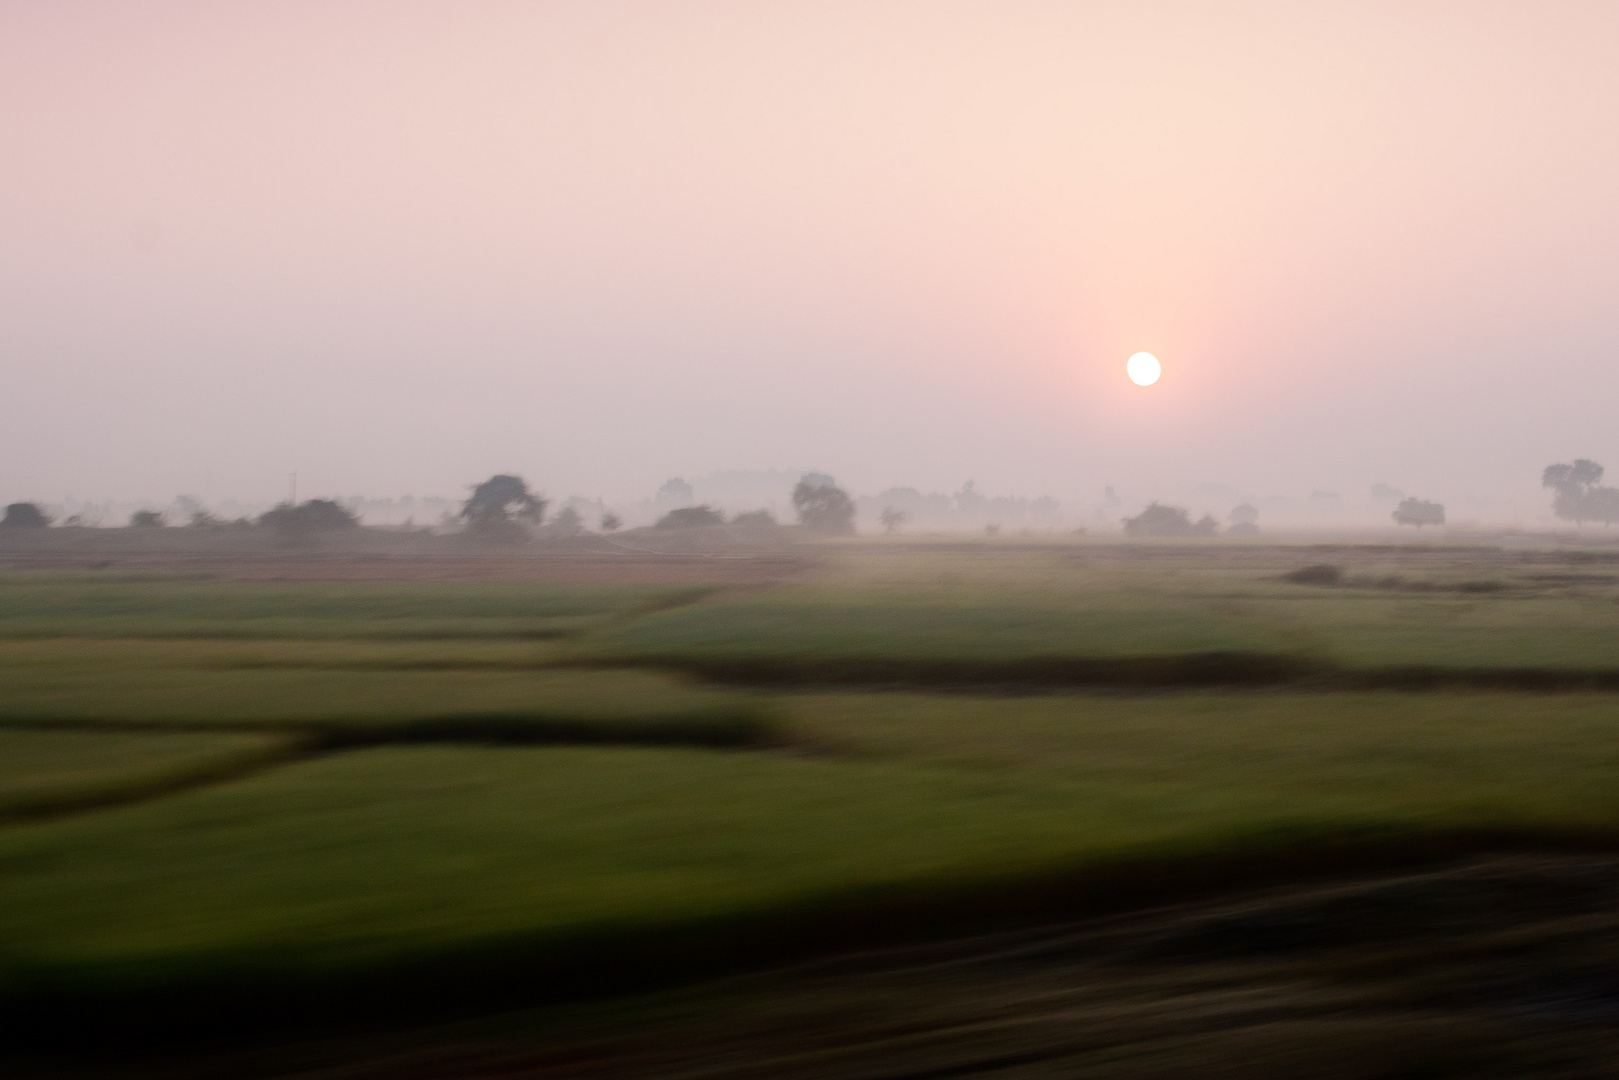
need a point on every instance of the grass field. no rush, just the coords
(167, 606)
(203, 792)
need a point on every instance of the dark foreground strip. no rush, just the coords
(278, 993)
(1037, 673)
(1142, 672)
(1184, 671)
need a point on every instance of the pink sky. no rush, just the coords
(400, 246)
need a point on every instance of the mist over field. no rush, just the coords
(397, 248)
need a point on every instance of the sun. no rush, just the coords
(1143, 368)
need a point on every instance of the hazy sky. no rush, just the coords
(399, 246)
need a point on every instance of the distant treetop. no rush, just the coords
(1419, 512)
(1576, 496)
(497, 504)
(316, 515)
(823, 507)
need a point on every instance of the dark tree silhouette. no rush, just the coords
(497, 505)
(823, 507)
(611, 522)
(146, 519)
(24, 516)
(891, 519)
(1419, 512)
(691, 517)
(1159, 520)
(316, 515)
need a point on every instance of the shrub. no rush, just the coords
(755, 519)
(1419, 513)
(146, 519)
(316, 515)
(691, 517)
(1159, 520)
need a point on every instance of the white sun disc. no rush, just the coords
(1143, 368)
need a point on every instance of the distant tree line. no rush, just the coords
(823, 509)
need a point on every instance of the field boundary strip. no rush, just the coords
(741, 728)
(155, 784)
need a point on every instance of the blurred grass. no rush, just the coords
(72, 654)
(362, 861)
(345, 707)
(120, 607)
(369, 861)
(1164, 616)
(45, 772)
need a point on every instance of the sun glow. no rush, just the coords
(1143, 368)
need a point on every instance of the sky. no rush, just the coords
(397, 247)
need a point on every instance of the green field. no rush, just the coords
(80, 606)
(279, 788)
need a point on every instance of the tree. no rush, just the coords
(1244, 520)
(24, 516)
(823, 507)
(146, 519)
(611, 522)
(691, 517)
(891, 519)
(1602, 504)
(316, 515)
(497, 505)
(1419, 512)
(675, 492)
(1576, 496)
(568, 524)
(1159, 520)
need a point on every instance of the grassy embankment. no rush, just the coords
(439, 872)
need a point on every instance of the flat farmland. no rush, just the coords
(314, 794)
